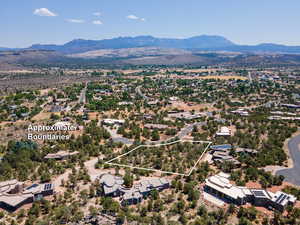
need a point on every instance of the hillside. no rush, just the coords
(18, 59)
(130, 52)
(10, 60)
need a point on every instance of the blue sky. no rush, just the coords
(24, 22)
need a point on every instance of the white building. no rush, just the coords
(225, 131)
(62, 124)
(14, 194)
(241, 112)
(173, 98)
(156, 126)
(113, 121)
(220, 186)
(125, 103)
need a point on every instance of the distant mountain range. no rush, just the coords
(203, 42)
(5, 49)
(80, 45)
(148, 50)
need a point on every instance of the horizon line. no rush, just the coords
(148, 35)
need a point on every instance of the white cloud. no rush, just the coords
(132, 17)
(43, 12)
(97, 22)
(97, 13)
(75, 21)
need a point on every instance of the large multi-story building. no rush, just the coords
(219, 185)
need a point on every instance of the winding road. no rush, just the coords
(139, 92)
(292, 175)
(82, 97)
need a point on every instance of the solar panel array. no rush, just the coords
(32, 186)
(221, 147)
(259, 193)
(281, 198)
(47, 187)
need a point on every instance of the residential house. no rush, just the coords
(113, 186)
(220, 186)
(292, 106)
(113, 121)
(224, 147)
(156, 126)
(240, 112)
(185, 115)
(278, 201)
(154, 102)
(13, 107)
(143, 189)
(14, 194)
(61, 155)
(225, 131)
(125, 103)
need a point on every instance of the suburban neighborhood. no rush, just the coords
(149, 112)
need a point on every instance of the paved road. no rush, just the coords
(293, 175)
(250, 77)
(82, 98)
(138, 91)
